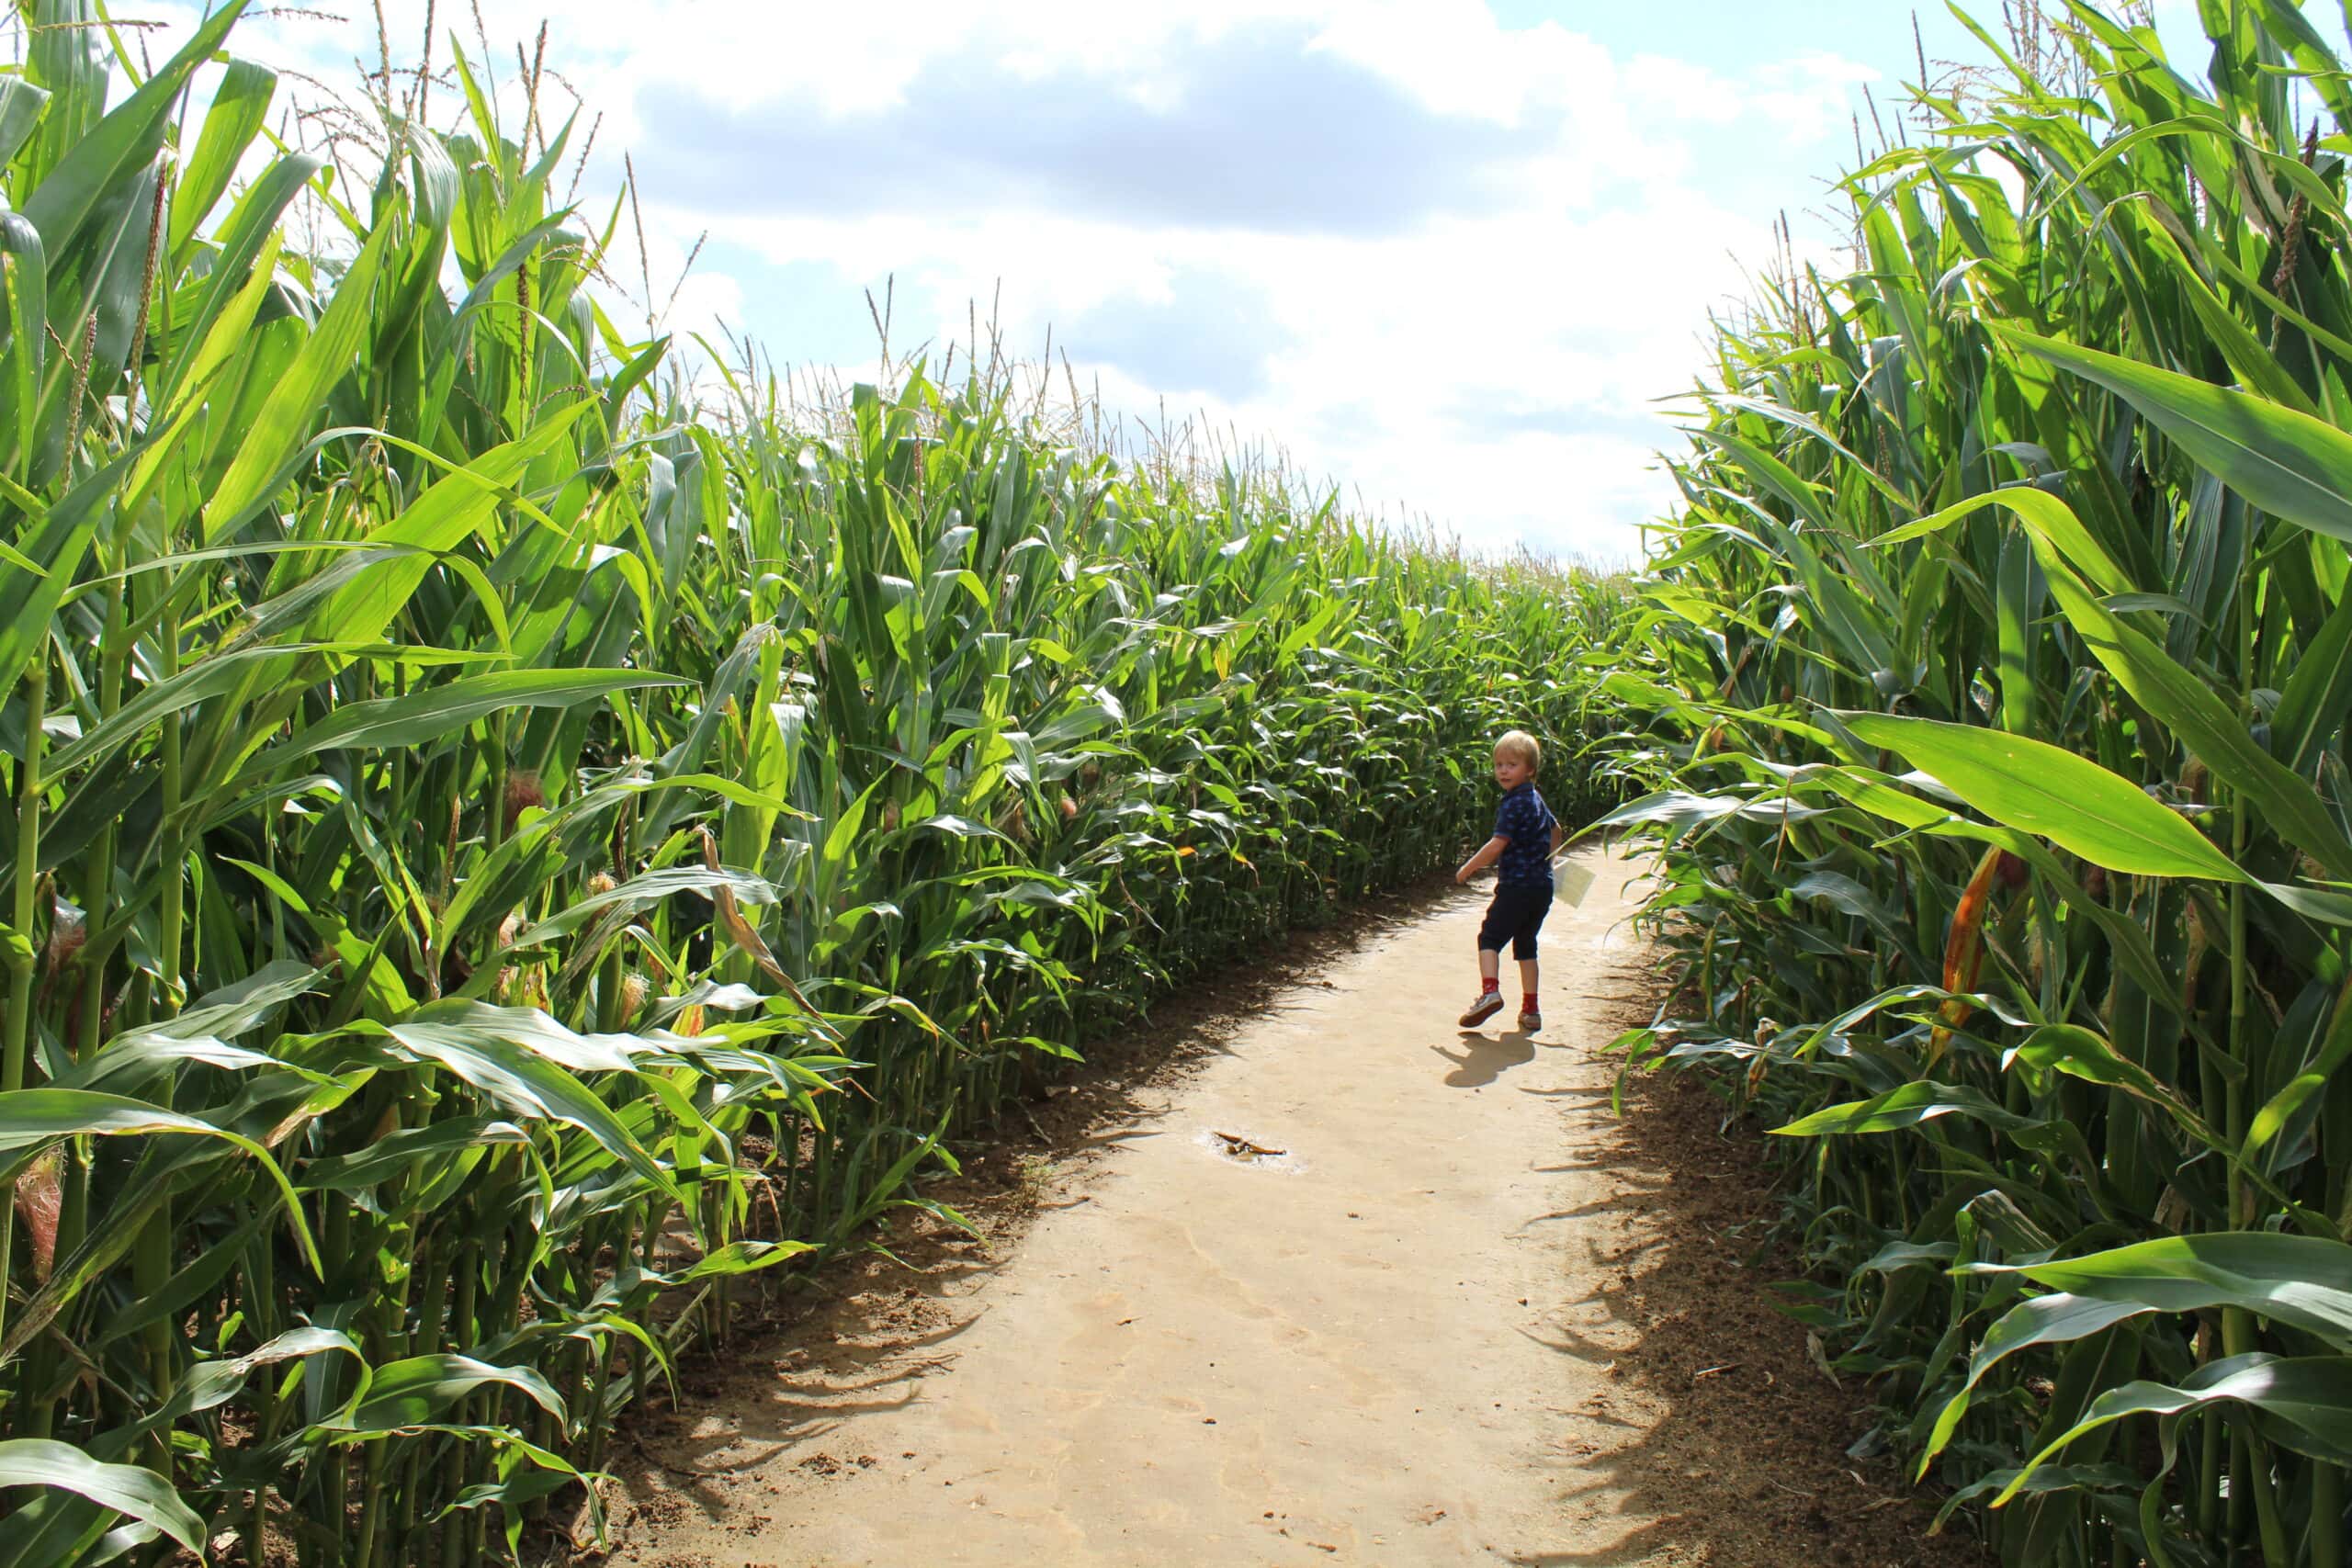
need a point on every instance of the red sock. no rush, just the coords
(1489, 986)
(1527, 1002)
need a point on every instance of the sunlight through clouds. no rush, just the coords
(1449, 261)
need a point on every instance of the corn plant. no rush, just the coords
(1993, 675)
(501, 848)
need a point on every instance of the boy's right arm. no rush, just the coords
(1488, 852)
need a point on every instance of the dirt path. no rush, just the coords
(1395, 1340)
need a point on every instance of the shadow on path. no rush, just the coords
(1483, 1060)
(1717, 1441)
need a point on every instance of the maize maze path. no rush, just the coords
(1395, 1340)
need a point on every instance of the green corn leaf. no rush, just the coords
(2293, 32)
(632, 1279)
(192, 379)
(2045, 516)
(740, 1258)
(2079, 1053)
(638, 892)
(100, 164)
(2299, 1279)
(2055, 1319)
(2334, 1049)
(185, 1288)
(528, 1474)
(20, 106)
(280, 431)
(526, 1061)
(245, 272)
(2039, 788)
(411, 1392)
(2185, 705)
(2318, 694)
(210, 678)
(2288, 464)
(434, 712)
(54, 545)
(2306, 1402)
(26, 260)
(210, 1384)
(1902, 1108)
(451, 508)
(406, 1151)
(240, 105)
(33, 1118)
(127, 1489)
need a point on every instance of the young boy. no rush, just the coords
(1526, 837)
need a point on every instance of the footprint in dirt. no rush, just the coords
(1481, 1060)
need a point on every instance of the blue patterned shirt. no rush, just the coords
(1526, 821)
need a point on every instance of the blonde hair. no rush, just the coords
(1522, 746)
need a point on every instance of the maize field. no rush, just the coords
(1991, 688)
(508, 838)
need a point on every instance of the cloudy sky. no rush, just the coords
(1448, 252)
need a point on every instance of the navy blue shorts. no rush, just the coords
(1515, 915)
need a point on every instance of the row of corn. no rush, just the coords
(1994, 674)
(500, 852)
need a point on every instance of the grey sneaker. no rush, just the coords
(1530, 1022)
(1488, 1004)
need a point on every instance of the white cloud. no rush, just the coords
(1690, 92)
(1810, 95)
(1448, 263)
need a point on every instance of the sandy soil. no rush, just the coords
(1359, 1286)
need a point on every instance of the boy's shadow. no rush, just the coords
(1483, 1060)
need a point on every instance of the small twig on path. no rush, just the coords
(1243, 1148)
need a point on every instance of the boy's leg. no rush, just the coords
(1503, 917)
(1522, 947)
(1490, 990)
(1492, 933)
